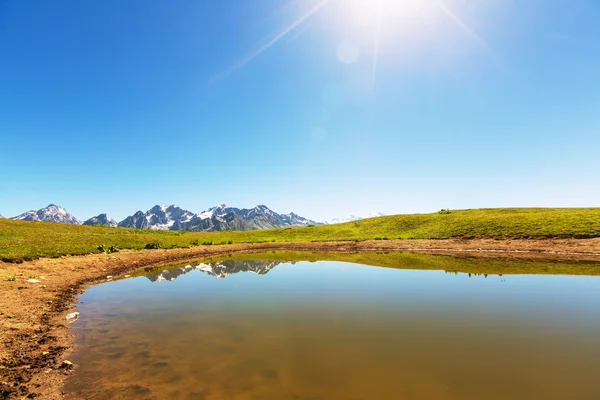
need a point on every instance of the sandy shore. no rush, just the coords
(34, 334)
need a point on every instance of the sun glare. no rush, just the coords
(371, 13)
(375, 28)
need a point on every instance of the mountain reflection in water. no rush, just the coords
(219, 269)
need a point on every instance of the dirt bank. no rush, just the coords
(34, 335)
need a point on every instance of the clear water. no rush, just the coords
(259, 329)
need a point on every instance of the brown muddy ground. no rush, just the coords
(34, 334)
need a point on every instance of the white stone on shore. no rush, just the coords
(72, 316)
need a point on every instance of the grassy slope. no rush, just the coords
(20, 240)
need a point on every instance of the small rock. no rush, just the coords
(109, 277)
(72, 316)
(67, 364)
(127, 276)
(33, 281)
(45, 353)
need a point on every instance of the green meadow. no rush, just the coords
(25, 240)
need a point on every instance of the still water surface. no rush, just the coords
(261, 329)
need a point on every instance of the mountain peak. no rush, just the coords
(158, 208)
(51, 213)
(101, 219)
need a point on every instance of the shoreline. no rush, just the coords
(34, 334)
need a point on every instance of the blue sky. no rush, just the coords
(324, 108)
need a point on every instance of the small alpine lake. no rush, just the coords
(290, 325)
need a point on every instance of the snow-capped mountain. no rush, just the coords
(101, 219)
(52, 213)
(352, 218)
(219, 218)
(219, 269)
(222, 218)
(159, 218)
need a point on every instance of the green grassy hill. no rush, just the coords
(22, 240)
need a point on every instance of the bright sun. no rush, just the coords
(386, 24)
(369, 13)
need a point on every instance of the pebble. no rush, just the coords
(109, 277)
(33, 281)
(72, 316)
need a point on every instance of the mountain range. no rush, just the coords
(219, 218)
